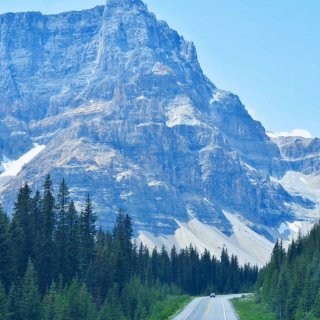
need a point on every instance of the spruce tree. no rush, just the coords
(6, 267)
(49, 304)
(45, 261)
(29, 304)
(13, 301)
(36, 219)
(61, 234)
(88, 221)
(72, 245)
(316, 306)
(20, 231)
(80, 302)
(4, 312)
(112, 309)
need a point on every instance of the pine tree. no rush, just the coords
(29, 304)
(316, 306)
(61, 234)
(20, 231)
(80, 302)
(6, 267)
(72, 244)
(49, 304)
(174, 265)
(164, 266)
(112, 309)
(88, 220)
(122, 251)
(36, 219)
(224, 285)
(13, 301)
(205, 268)
(45, 262)
(4, 312)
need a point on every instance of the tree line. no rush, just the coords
(55, 264)
(290, 283)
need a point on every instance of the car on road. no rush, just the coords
(212, 295)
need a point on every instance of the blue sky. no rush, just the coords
(267, 52)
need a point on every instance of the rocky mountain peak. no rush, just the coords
(116, 102)
(124, 4)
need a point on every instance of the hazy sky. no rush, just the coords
(267, 52)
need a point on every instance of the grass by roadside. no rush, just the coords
(168, 308)
(248, 309)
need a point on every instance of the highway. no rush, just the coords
(206, 308)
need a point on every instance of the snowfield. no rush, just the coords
(11, 168)
(306, 186)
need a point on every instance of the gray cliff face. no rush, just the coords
(301, 154)
(126, 113)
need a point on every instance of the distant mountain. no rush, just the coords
(116, 102)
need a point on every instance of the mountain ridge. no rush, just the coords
(124, 110)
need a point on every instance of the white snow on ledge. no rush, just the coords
(161, 69)
(294, 133)
(12, 168)
(181, 112)
(215, 97)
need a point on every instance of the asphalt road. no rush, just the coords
(206, 308)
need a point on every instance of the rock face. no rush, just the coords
(301, 154)
(126, 113)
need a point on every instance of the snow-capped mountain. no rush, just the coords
(116, 102)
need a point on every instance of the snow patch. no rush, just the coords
(283, 228)
(250, 168)
(125, 195)
(181, 112)
(148, 124)
(124, 175)
(302, 227)
(141, 98)
(215, 97)
(12, 168)
(305, 186)
(291, 230)
(272, 135)
(154, 183)
(161, 69)
(294, 133)
(296, 183)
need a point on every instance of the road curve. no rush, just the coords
(206, 308)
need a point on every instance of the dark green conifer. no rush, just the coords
(6, 267)
(29, 304)
(45, 262)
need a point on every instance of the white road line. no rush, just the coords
(189, 314)
(224, 310)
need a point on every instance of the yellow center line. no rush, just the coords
(208, 309)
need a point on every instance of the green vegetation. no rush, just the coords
(55, 265)
(290, 283)
(249, 309)
(164, 310)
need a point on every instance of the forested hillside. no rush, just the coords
(290, 283)
(55, 264)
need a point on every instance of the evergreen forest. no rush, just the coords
(55, 264)
(290, 283)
